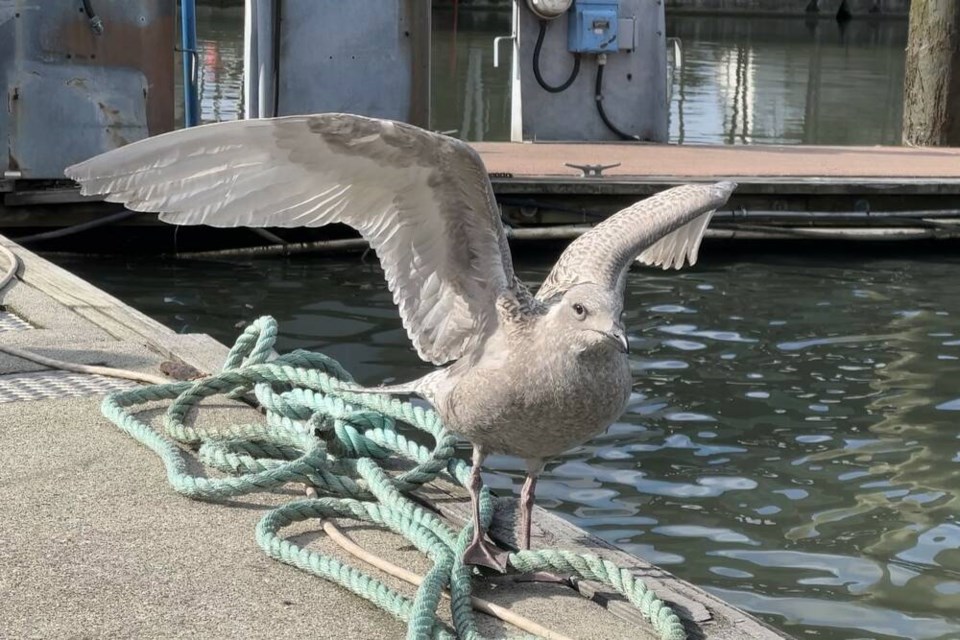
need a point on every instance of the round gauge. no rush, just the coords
(549, 9)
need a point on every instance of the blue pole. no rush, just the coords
(188, 46)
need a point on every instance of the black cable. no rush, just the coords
(598, 95)
(95, 22)
(77, 228)
(536, 65)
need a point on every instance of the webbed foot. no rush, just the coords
(482, 553)
(544, 577)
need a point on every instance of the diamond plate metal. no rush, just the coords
(10, 321)
(45, 385)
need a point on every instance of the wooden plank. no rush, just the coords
(688, 162)
(113, 315)
(705, 616)
(104, 310)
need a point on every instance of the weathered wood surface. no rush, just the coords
(705, 617)
(660, 162)
(114, 316)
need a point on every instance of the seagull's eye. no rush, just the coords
(579, 309)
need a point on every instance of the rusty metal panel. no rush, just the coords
(71, 92)
(62, 114)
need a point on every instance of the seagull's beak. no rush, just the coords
(619, 337)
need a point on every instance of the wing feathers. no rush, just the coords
(422, 200)
(677, 247)
(664, 229)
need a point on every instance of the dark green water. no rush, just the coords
(793, 441)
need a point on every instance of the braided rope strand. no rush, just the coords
(322, 430)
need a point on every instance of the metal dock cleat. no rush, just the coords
(591, 170)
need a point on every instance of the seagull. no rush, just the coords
(526, 375)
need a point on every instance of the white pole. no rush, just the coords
(251, 62)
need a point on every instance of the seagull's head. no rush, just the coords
(587, 317)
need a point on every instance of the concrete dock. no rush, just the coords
(792, 192)
(95, 542)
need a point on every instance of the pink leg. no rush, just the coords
(480, 551)
(534, 467)
(526, 511)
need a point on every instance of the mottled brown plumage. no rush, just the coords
(531, 376)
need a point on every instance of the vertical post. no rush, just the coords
(419, 19)
(251, 61)
(516, 95)
(188, 47)
(931, 88)
(267, 33)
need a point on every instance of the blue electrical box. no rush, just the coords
(593, 26)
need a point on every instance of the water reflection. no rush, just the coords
(742, 81)
(779, 80)
(220, 41)
(786, 443)
(470, 96)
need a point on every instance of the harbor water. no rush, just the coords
(739, 80)
(791, 444)
(792, 441)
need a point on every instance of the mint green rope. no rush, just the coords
(322, 432)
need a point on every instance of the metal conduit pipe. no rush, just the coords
(570, 232)
(77, 228)
(774, 214)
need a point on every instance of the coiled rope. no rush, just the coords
(322, 432)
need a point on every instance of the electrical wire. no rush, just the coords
(13, 265)
(111, 372)
(598, 96)
(77, 228)
(96, 23)
(536, 65)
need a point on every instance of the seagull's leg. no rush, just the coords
(480, 551)
(534, 467)
(526, 511)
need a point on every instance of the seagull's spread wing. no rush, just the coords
(663, 230)
(422, 200)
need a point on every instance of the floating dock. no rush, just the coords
(96, 542)
(800, 192)
(784, 191)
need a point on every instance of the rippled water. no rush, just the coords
(741, 81)
(792, 443)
